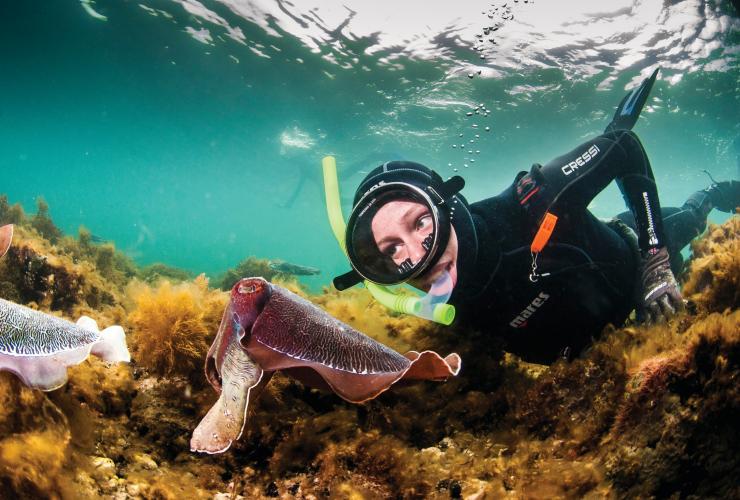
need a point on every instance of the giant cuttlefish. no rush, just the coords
(38, 347)
(266, 328)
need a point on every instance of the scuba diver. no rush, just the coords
(532, 265)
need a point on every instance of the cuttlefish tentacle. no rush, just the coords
(237, 376)
(234, 374)
(267, 328)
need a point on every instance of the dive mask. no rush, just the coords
(398, 230)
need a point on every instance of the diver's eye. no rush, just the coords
(392, 250)
(424, 222)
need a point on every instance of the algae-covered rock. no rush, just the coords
(251, 266)
(34, 440)
(714, 276)
(677, 428)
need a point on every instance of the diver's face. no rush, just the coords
(400, 228)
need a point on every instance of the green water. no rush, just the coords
(189, 152)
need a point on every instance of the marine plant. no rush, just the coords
(714, 277)
(42, 222)
(172, 325)
(10, 214)
(34, 439)
(249, 267)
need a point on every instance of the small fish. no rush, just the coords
(296, 269)
(97, 239)
(38, 347)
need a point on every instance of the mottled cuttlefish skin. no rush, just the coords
(266, 328)
(38, 347)
(26, 332)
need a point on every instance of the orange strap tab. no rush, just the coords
(544, 232)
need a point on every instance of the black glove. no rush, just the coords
(660, 298)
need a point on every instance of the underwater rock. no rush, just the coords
(158, 271)
(107, 389)
(676, 431)
(35, 271)
(266, 328)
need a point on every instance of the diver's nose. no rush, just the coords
(416, 251)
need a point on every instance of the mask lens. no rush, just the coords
(392, 234)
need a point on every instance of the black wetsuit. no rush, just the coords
(589, 269)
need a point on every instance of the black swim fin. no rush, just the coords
(629, 109)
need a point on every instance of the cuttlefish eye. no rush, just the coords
(246, 289)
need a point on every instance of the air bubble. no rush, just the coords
(488, 129)
(470, 75)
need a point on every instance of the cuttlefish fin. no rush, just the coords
(6, 237)
(111, 346)
(428, 365)
(224, 422)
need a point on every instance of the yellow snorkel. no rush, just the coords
(408, 304)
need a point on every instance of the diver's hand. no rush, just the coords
(660, 298)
